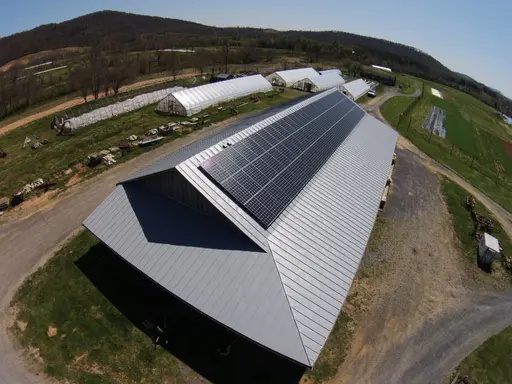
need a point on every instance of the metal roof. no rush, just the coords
(356, 88)
(491, 242)
(194, 100)
(291, 76)
(324, 82)
(294, 276)
(174, 158)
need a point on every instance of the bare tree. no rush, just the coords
(172, 63)
(80, 81)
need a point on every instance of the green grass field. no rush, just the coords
(454, 196)
(392, 108)
(94, 342)
(24, 165)
(489, 363)
(475, 141)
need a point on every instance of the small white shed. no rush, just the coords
(488, 248)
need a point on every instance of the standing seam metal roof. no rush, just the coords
(313, 248)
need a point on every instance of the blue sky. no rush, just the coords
(469, 36)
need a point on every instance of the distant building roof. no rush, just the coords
(382, 68)
(357, 88)
(329, 71)
(322, 82)
(291, 76)
(279, 275)
(224, 76)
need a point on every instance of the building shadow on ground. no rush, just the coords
(210, 349)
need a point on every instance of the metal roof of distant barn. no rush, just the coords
(281, 285)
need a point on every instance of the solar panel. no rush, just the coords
(264, 172)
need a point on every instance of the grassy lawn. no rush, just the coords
(94, 342)
(24, 165)
(475, 142)
(454, 196)
(392, 108)
(489, 363)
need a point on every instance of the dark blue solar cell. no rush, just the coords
(267, 170)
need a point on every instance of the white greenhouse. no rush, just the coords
(329, 71)
(320, 83)
(190, 101)
(119, 108)
(290, 77)
(355, 89)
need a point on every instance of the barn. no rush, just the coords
(261, 226)
(291, 76)
(190, 101)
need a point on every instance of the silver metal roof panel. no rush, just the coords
(305, 262)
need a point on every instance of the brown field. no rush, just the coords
(508, 147)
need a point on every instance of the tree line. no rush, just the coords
(138, 33)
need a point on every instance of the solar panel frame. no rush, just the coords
(265, 171)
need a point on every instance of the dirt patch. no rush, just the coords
(34, 354)
(80, 357)
(22, 325)
(32, 205)
(52, 331)
(508, 148)
(414, 273)
(73, 180)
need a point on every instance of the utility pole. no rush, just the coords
(226, 51)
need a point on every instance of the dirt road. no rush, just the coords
(78, 100)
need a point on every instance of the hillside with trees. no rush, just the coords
(109, 36)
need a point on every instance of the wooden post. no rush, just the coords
(409, 125)
(430, 137)
(472, 161)
(497, 177)
(451, 150)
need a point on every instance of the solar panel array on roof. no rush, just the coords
(264, 172)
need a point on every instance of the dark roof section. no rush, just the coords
(174, 158)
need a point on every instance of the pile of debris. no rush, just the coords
(106, 156)
(486, 224)
(506, 261)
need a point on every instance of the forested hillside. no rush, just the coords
(111, 30)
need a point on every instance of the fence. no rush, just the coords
(409, 108)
